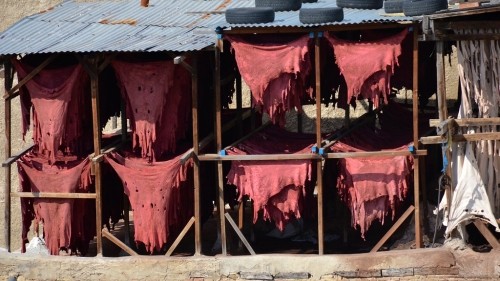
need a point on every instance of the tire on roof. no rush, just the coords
(360, 4)
(423, 7)
(321, 15)
(249, 15)
(393, 6)
(280, 5)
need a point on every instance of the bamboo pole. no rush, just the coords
(218, 140)
(8, 151)
(319, 168)
(416, 165)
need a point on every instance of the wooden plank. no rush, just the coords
(480, 225)
(96, 127)
(10, 92)
(382, 153)
(118, 243)
(393, 229)
(441, 82)
(7, 150)
(319, 180)
(463, 122)
(461, 138)
(14, 158)
(416, 171)
(240, 235)
(180, 237)
(218, 143)
(57, 195)
(258, 157)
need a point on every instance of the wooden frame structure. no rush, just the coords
(442, 28)
(94, 64)
(319, 156)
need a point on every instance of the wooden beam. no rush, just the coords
(240, 235)
(360, 121)
(218, 144)
(319, 168)
(333, 28)
(180, 237)
(14, 158)
(11, 92)
(55, 195)
(259, 157)
(416, 171)
(463, 122)
(393, 229)
(441, 82)
(481, 226)
(118, 243)
(249, 135)
(7, 150)
(107, 60)
(382, 153)
(96, 127)
(461, 138)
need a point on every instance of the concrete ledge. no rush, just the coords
(265, 267)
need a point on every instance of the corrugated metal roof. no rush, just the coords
(166, 25)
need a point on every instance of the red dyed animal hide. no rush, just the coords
(275, 73)
(368, 66)
(57, 97)
(65, 221)
(374, 186)
(158, 95)
(154, 191)
(276, 187)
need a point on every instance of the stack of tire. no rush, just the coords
(264, 12)
(412, 8)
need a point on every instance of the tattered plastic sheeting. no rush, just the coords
(469, 200)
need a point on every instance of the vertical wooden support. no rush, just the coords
(319, 181)
(441, 80)
(196, 150)
(239, 103)
(8, 151)
(218, 140)
(126, 203)
(441, 100)
(416, 165)
(94, 88)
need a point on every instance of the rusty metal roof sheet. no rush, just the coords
(124, 26)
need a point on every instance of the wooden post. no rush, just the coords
(416, 165)
(319, 180)
(239, 108)
(196, 150)
(218, 140)
(94, 88)
(126, 203)
(442, 105)
(8, 151)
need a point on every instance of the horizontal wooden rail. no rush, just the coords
(58, 195)
(14, 158)
(469, 121)
(461, 138)
(258, 157)
(382, 153)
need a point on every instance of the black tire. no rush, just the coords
(393, 6)
(249, 15)
(280, 5)
(360, 4)
(423, 7)
(321, 15)
(309, 1)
